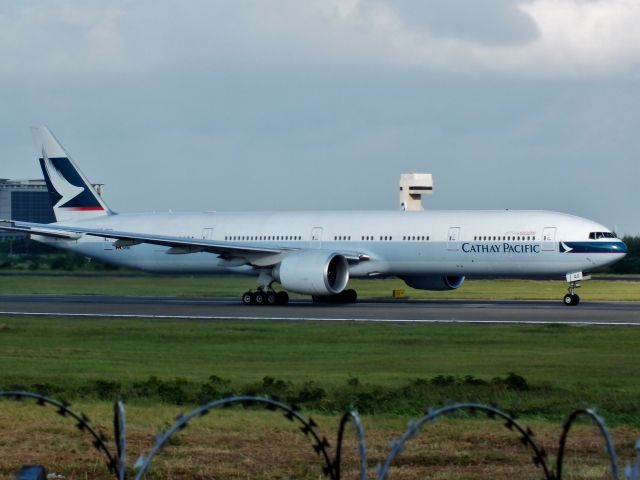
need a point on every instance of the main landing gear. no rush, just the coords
(268, 297)
(572, 298)
(265, 295)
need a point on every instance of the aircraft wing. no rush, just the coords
(254, 254)
(47, 232)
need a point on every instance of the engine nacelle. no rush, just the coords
(434, 282)
(314, 272)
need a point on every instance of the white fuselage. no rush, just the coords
(500, 242)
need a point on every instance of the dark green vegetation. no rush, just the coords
(378, 368)
(630, 263)
(27, 255)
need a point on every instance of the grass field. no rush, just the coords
(389, 372)
(383, 368)
(110, 284)
(237, 444)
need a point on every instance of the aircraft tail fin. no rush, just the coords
(73, 197)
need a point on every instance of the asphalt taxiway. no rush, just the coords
(426, 311)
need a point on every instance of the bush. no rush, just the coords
(310, 393)
(107, 390)
(512, 382)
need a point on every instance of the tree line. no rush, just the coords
(25, 254)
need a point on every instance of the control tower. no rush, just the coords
(412, 187)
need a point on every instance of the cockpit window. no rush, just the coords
(599, 235)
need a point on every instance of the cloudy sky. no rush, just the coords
(321, 104)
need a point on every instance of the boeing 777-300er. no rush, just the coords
(316, 253)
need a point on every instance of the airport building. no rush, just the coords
(26, 200)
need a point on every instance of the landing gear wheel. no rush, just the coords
(259, 298)
(271, 298)
(282, 298)
(571, 299)
(247, 298)
(346, 296)
(350, 296)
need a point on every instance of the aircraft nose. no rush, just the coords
(617, 247)
(620, 247)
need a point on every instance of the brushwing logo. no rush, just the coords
(566, 248)
(65, 189)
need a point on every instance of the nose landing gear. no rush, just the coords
(572, 298)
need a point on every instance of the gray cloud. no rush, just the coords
(489, 21)
(313, 105)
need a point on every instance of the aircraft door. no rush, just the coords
(453, 238)
(316, 237)
(548, 238)
(207, 233)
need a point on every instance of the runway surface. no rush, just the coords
(428, 311)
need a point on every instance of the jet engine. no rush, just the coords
(434, 282)
(313, 272)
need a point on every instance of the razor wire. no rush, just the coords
(608, 440)
(414, 427)
(64, 410)
(332, 467)
(120, 434)
(351, 417)
(320, 445)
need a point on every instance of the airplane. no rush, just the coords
(317, 252)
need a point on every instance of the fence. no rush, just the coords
(115, 456)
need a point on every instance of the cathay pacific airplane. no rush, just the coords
(316, 253)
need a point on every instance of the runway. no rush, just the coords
(427, 311)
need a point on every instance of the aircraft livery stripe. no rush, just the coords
(593, 247)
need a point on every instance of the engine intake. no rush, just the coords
(313, 272)
(434, 282)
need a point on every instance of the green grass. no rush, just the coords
(565, 366)
(110, 284)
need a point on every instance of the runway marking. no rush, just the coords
(322, 319)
